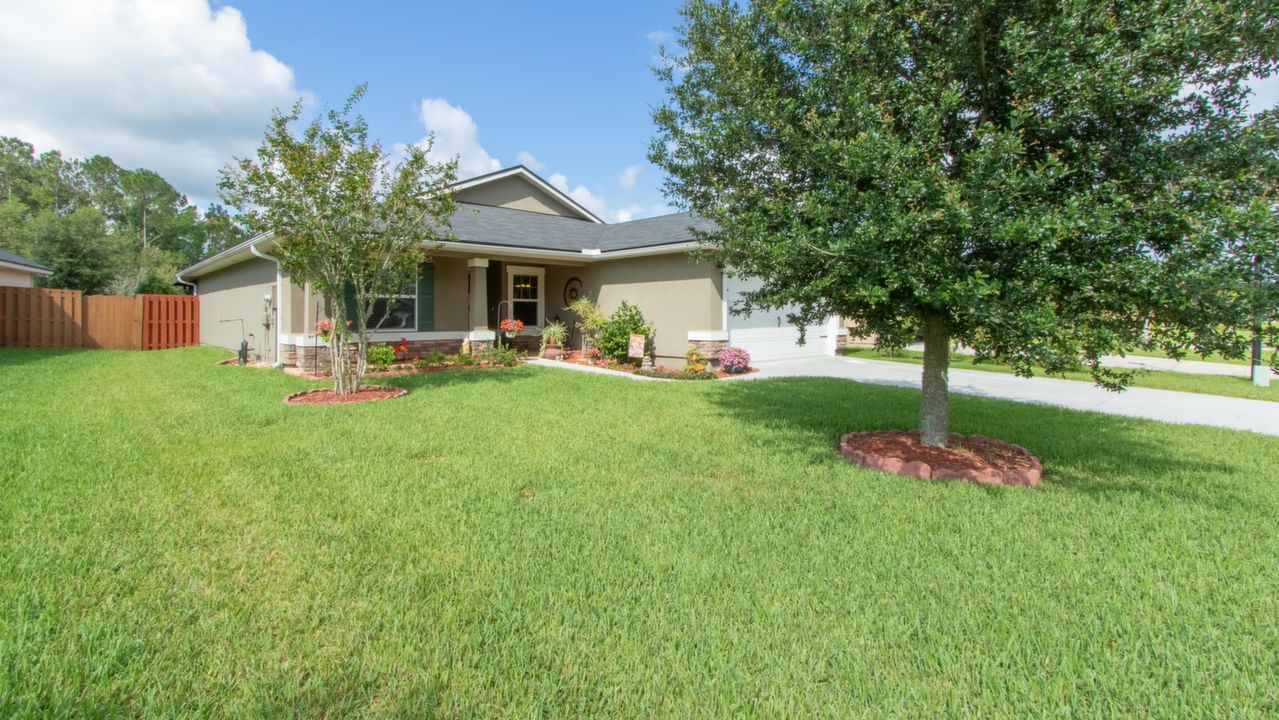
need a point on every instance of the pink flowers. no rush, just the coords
(734, 360)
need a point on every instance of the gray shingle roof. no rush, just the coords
(487, 225)
(9, 257)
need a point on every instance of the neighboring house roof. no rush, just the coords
(8, 259)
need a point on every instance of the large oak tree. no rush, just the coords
(1044, 182)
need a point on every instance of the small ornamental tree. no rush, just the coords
(1043, 182)
(344, 218)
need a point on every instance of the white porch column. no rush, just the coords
(478, 267)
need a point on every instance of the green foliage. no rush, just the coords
(128, 231)
(553, 333)
(503, 355)
(381, 357)
(463, 360)
(668, 374)
(1041, 181)
(342, 215)
(433, 358)
(75, 248)
(590, 320)
(617, 330)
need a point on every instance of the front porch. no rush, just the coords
(456, 303)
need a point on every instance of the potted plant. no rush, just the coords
(553, 335)
(511, 327)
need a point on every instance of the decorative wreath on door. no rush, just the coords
(572, 290)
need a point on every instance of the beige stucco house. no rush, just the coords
(520, 248)
(17, 271)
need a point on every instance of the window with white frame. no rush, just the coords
(398, 311)
(525, 288)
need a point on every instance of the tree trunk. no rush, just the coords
(934, 411)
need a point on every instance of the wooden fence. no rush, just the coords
(44, 318)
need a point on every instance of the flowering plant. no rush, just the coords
(324, 329)
(734, 360)
(693, 361)
(402, 346)
(511, 326)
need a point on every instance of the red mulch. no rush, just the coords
(749, 371)
(399, 370)
(974, 458)
(325, 396)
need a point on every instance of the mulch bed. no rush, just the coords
(974, 458)
(325, 396)
(576, 358)
(399, 370)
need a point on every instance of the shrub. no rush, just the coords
(380, 357)
(734, 360)
(693, 361)
(463, 360)
(504, 356)
(434, 358)
(553, 333)
(624, 321)
(590, 320)
(667, 373)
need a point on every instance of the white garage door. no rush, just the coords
(767, 335)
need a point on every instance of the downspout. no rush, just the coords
(195, 289)
(279, 300)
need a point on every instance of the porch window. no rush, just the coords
(525, 291)
(397, 311)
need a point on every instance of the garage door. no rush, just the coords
(767, 335)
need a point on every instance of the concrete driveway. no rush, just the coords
(1166, 405)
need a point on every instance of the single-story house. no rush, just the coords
(17, 271)
(520, 248)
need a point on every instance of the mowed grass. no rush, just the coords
(533, 542)
(1240, 387)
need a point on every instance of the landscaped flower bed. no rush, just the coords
(438, 362)
(325, 396)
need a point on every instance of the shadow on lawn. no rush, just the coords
(454, 377)
(1081, 452)
(12, 357)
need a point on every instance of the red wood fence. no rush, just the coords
(45, 318)
(170, 321)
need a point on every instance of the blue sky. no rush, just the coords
(183, 86)
(566, 82)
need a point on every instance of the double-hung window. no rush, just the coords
(525, 288)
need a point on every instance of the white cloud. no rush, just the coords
(525, 158)
(595, 203)
(658, 36)
(456, 135)
(171, 85)
(627, 178)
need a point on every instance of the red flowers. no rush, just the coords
(511, 325)
(403, 347)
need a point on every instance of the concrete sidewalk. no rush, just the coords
(1166, 405)
(1142, 362)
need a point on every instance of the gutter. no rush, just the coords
(279, 297)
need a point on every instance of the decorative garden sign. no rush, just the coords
(635, 347)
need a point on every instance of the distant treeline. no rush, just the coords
(102, 228)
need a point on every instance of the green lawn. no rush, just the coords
(533, 542)
(1239, 387)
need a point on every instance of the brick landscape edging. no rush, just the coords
(924, 471)
(400, 392)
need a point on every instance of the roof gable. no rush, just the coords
(519, 188)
